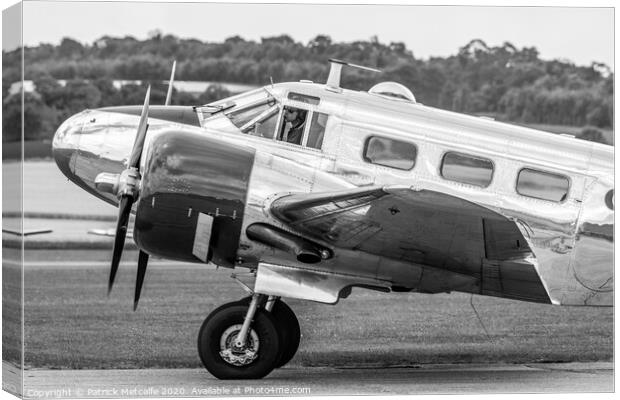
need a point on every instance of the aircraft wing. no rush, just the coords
(423, 227)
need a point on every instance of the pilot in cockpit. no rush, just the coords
(294, 123)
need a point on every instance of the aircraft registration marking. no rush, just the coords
(202, 236)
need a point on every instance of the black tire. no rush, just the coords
(288, 325)
(215, 326)
(288, 329)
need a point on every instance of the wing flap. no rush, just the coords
(513, 279)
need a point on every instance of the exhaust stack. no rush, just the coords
(304, 250)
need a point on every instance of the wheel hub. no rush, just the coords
(238, 355)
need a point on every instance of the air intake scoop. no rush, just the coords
(392, 90)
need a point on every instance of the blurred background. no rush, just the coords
(72, 63)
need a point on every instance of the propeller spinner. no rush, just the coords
(126, 187)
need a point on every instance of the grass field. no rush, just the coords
(32, 150)
(70, 323)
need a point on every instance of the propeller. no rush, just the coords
(170, 82)
(127, 187)
(143, 259)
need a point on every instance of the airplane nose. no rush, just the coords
(66, 143)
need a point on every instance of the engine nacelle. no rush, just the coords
(192, 198)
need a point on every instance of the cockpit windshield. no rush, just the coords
(239, 103)
(250, 111)
(242, 116)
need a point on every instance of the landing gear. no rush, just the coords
(248, 338)
(225, 356)
(288, 327)
(290, 334)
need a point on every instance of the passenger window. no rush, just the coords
(390, 153)
(542, 185)
(467, 169)
(609, 199)
(317, 130)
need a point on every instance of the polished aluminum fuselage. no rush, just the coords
(572, 240)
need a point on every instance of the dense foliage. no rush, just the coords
(505, 82)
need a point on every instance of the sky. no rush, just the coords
(581, 35)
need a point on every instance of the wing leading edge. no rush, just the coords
(424, 227)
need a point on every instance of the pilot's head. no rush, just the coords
(291, 114)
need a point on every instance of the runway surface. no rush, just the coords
(424, 379)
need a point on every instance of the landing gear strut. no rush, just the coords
(248, 338)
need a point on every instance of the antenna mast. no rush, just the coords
(335, 72)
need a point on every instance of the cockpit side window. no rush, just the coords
(264, 125)
(259, 114)
(302, 127)
(317, 130)
(293, 125)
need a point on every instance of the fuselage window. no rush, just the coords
(609, 199)
(542, 185)
(390, 153)
(467, 169)
(317, 130)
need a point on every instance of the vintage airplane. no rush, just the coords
(314, 189)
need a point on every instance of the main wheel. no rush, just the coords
(288, 325)
(223, 359)
(288, 328)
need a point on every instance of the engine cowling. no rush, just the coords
(192, 198)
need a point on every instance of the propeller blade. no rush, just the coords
(124, 209)
(138, 144)
(143, 259)
(169, 94)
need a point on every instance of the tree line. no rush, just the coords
(505, 82)
(52, 103)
